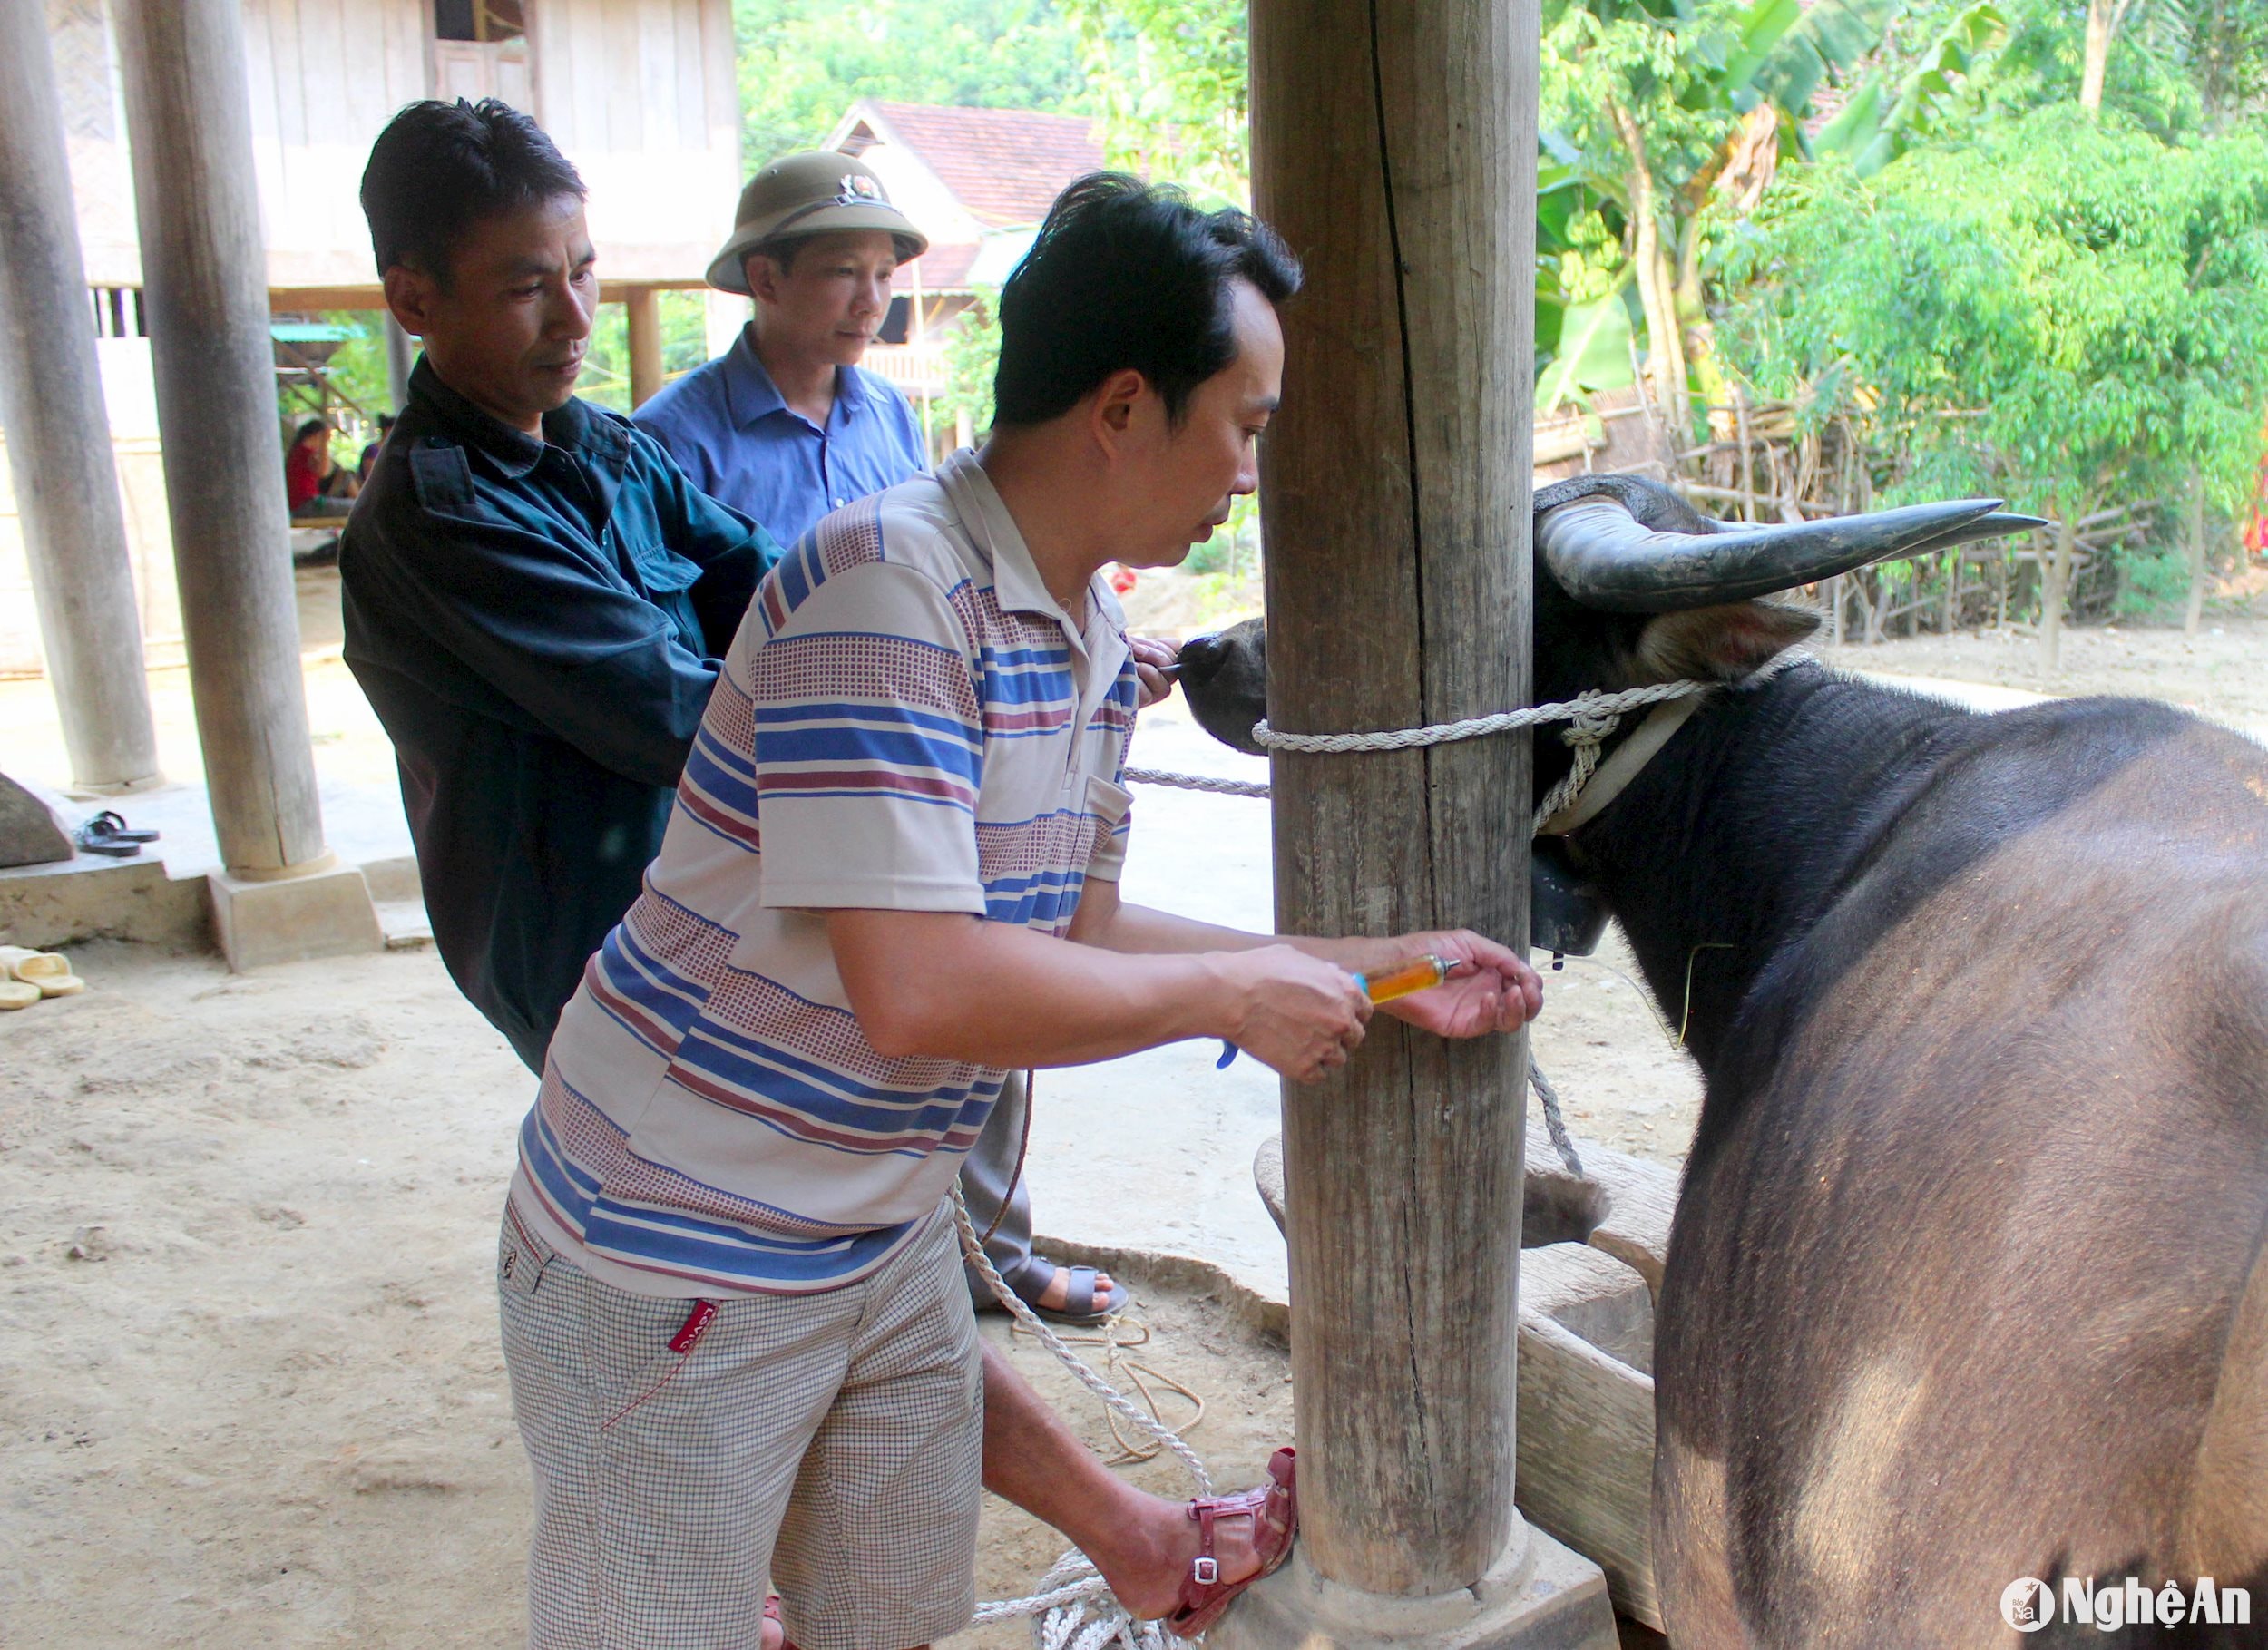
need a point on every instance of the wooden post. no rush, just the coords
(645, 344)
(204, 269)
(401, 359)
(59, 432)
(1394, 149)
(2194, 613)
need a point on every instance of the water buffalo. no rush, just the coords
(1966, 1282)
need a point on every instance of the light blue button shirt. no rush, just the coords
(730, 432)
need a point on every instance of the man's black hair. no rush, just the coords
(438, 168)
(1126, 274)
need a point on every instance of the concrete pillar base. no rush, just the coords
(325, 913)
(1540, 1596)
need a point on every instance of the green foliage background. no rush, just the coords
(803, 63)
(2004, 292)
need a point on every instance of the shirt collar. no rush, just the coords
(751, 393)
(515, 451)
(1016, 583)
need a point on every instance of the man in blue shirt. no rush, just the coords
(784, 425)
(535, 598)
(787, 426)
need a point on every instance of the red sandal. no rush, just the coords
(772, 1613)
(1273, 1509)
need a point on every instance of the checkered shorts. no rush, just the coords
(683, 1450)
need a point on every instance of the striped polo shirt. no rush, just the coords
(906, 721)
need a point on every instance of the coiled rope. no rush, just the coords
(1073, 1607)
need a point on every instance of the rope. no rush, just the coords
(1590, 716)
(1584, 708)
(1073, 1607)
(1553, 1123)
(1197, 782)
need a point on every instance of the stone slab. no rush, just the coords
(326, 914)
(92, 898)
(1540, 1596)
(31, 832)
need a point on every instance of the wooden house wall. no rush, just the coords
(324, 76)
(639, 93)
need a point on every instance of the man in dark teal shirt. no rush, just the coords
(535, 597)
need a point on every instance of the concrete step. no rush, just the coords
(404, 924)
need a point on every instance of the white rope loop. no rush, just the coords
(1197, 782)
(1588, 710)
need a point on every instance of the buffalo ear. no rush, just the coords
(1720, 644)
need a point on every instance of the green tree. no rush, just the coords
(2064, 310)
(1670, 108)
(1919, 89)
(1170, 84)
(802, 63)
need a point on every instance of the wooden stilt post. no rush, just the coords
(401, 358)
(645, 344)
(59, 435)
(204, 262)
(1394, 149)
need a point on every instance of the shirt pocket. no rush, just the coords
(656, 570)
(1107, 807)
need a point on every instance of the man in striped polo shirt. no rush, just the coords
(732, 1308)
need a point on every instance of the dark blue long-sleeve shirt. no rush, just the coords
(537, 624)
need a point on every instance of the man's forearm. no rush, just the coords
(961, 988)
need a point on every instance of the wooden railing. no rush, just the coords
(913, 367)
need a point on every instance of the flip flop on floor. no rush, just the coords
(44, 973)
(107, 833)
(1273, 1509)
(1030, 1276)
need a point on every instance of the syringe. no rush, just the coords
(1402, 979)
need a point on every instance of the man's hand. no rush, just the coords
(1301, 1015)
(1495, 990)
(1151, 657)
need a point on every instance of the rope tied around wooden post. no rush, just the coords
(1592, 719)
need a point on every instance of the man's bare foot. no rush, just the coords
(1161, 1545)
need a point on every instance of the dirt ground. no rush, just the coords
(251, 1393)
(249, 1387)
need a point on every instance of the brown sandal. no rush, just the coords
(1273, 1510)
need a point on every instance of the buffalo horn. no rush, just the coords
(1984, 527)
(1604, 558)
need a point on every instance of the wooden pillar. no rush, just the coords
(204, 269)
(401, 359)
(59, 434)
(1394, 149)
(645, 344)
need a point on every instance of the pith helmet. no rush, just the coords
(809, 194)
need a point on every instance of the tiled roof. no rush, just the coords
(1006, 166)
(944, 269)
